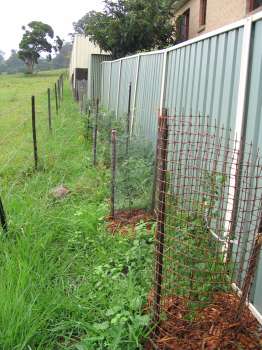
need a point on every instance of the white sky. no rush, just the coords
(60, 14)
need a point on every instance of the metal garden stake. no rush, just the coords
(95, 133)
(56, 102)
(49, 109)
(34, 133)
(3, 217)
(160, 234)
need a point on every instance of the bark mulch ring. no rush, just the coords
(214, 327)
(125, 221)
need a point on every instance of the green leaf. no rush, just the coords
(142, 320)
(101, 326)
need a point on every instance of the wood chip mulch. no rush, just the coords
(125, 221)
(214, 327)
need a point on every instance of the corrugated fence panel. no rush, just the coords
(106, 68)
(128, 75)
(114, 85)
(254, 125)
(202, 78)
(95, 78)
(148, 95)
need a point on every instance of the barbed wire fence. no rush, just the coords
(27, 140)
(205, 244)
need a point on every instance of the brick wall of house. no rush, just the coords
(219, 13)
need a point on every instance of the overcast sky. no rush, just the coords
(58, 13)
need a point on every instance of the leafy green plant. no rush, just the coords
(196, 254)
(134, 173)
(66, 283)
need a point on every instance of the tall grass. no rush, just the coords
(66, 283)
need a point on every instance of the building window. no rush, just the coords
(203, 12)
(183, 27)
(254, 4)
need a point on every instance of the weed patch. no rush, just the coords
(65, 282)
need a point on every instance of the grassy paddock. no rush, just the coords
(15, 116)
(65, 282)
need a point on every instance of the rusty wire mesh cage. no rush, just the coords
(107, 121)
(208, 224)
(133, 177)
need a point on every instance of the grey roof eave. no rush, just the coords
(179, 4)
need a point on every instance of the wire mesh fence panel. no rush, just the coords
(105, 123)
(205, 243)
(134, 173)
(98, 126)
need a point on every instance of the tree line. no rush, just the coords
(38, 38)
(13, 64)
(124, 27)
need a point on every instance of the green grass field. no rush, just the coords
(66, 283)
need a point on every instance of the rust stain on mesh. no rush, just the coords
(208, 236)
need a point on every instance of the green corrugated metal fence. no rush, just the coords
(218, 74)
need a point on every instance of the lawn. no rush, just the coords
(66, 282)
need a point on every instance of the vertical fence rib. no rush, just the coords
(118, 88)
(235, 179)
(102, 93)
(163, 82)
(109, 86)
(128, 117)
(135, 94)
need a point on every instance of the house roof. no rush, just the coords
(179, 4)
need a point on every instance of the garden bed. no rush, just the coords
(213, 328)
(125, 221)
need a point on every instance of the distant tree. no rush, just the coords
(128, 26)
(44, 64)
(80, 25)
(2, 57)
(2, 62)
(13, 64)
(38, 37)
(62, 58)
